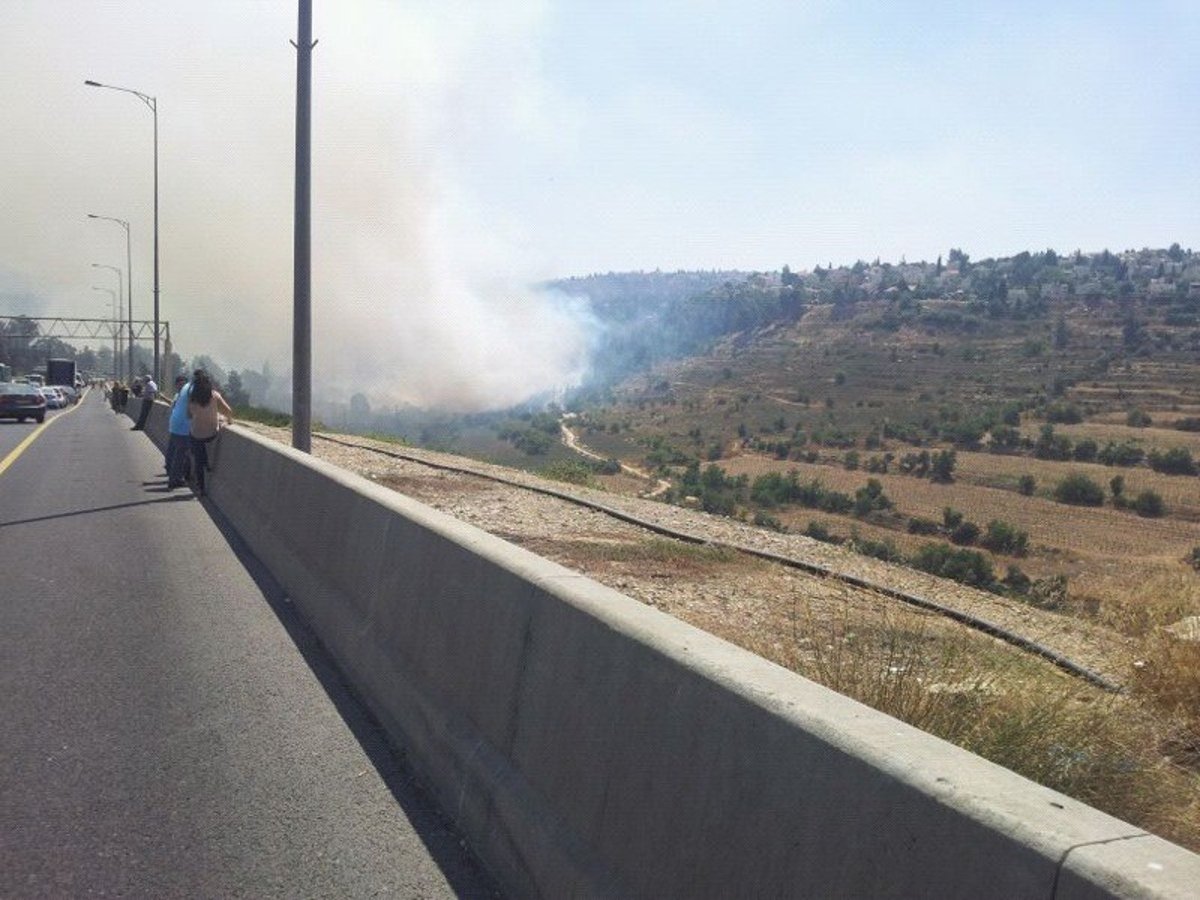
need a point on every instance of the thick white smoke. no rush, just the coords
(421, 296)
(421, 289)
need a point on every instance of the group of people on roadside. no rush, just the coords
(197, 414)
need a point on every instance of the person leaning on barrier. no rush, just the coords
(178, 434)
(204, 410)
(149, 392)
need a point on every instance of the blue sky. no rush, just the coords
(463, 150)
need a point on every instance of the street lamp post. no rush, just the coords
(120, 288)
(116, 316)
(152, 104)
(128, 281)
(301, 259)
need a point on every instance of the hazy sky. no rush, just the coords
(464, 150)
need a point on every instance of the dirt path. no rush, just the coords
(571, 440)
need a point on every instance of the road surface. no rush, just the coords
(170, 728)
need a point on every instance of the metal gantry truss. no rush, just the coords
(80, 329)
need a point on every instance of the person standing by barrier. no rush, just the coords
(149, 390)
(178, 434)
(204, 410)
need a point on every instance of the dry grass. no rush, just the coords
(1099, 533)
(1104, 750)
(1112, 427)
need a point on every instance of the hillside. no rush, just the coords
(945, 416)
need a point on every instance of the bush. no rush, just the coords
(1125, 454)
(1176, 461)
(965, 566)
(1017, 581)
(870, 498)
(1049, 593)
(918, 525)
(818, 532)
(1001, 537)
(884, 550)
(942, 466)
(965, 533)
(1086, 450)
(1138, 418)
(1193, 559)
(1064, 414)
(1079, 490)
(1149, 504)
(1026, 485)
(1189, 424)
(1052, 446)
(951, 518)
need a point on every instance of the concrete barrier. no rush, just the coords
(590, 746)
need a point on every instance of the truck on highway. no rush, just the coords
(60, 371)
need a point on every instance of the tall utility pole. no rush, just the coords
(128, 279)
(302, 267)
(152, 105)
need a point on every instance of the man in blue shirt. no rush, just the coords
(178, 430)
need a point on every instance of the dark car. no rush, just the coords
(21, 402)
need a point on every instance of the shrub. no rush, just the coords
(870, 497)
(942, 466)
(1026, 485)
(884, 550)
(1176, 461)
(1189, 424)
(1086, 450)
(1138, 418)
(850, 460)
(764, 520)
(918, 525)
(1193, 558)
(1049, 593)
(965, 533)
(1001, 537)
(1064, 414)
(1117, 486)
(818, 532)
(965, 566)
(1052, 446)
(1149, 504)
(570, 471)
(1017, 581)
(1079, 490)
(1125, 454)
(951, 517)
(915, 464)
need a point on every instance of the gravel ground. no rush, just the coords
(729, 598)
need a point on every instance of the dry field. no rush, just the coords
(1064, 533)
(1111, 427)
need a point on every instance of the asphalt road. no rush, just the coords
(169, 727)
(13, 432)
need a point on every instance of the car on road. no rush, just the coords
(21, 402)
(55, 399)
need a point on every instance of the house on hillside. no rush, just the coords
(1161, 287)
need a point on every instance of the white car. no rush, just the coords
(55, 399)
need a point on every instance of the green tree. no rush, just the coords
(1149, 504)
(1079, 490)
